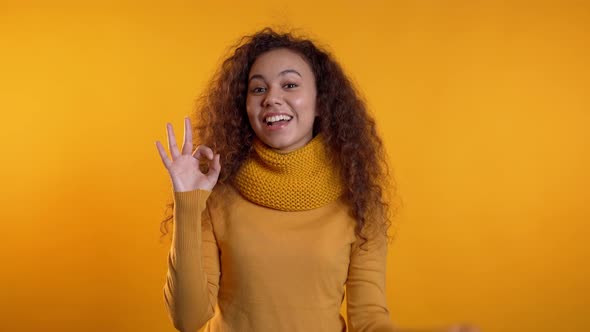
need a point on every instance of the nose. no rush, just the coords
(273, 97)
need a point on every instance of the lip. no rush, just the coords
(278, 126)
(267, 114)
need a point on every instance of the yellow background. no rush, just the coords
(483, 105)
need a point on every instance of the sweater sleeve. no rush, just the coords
(192, 280)
(365, 287)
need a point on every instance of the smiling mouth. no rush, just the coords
(277, 119)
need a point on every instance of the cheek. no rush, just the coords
(249, 107)
(251, 117)
(248, 104)
(305, 102)
(310, 101)
(253, 102)
(309, 105)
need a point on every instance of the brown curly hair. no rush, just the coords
(349, 130)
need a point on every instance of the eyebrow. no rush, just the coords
(284, 72)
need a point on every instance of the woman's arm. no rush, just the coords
(366, 298)
(365, 288)
(192, 281)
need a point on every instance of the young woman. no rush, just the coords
(282, 205)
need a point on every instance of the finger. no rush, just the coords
(172, 142)
(187, 146)
(203, 151)
(163, 155)
(214, 169)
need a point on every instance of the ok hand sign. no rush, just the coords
(184, 167)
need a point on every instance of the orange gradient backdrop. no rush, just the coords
(483, 106)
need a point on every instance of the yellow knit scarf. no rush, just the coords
(303, 179)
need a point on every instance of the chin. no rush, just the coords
(282, 141)
(278, 144)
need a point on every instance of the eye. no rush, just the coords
(290, 85)
(258, 89)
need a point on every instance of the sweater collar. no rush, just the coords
(299, 180)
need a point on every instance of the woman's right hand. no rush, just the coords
(184, 168)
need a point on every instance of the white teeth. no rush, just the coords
(277, 118)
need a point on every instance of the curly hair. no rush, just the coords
(348, 129)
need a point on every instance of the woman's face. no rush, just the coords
(281, 100)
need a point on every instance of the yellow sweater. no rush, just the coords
(238, 266)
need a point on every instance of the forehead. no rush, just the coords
(279, 60)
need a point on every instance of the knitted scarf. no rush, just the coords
(303, 179)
